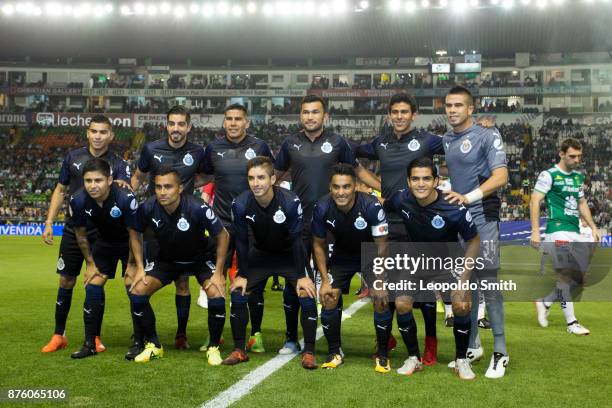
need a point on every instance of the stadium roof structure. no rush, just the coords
(495, 28)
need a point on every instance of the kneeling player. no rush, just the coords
(111, 210)
(275, 218)
(429, 218)
(179, 223)
(352, 218)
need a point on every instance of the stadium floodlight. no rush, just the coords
(363, 4)
(237, 11)
(152, 10)
(494, 2)
(542, 3)
(443, 3)
(208, 10)
(474, 3)
(99, 11)
(8, 9)
(67, 9)
(508, 4)
(459, 6)
(251, 7)
(282, 8)
(395, 5)
(36, 11)
(339, 6)
(139, 8)
(557, 2)
(125, 10)
(194, 8)
(268, 9)
(108, 8)
(526, 2)
(324, 10)
(223, 8)
(179, 11)
(165, 8)
(53, 9)
(441, 53)
(411, 6)
(298, 8)
(309, 8)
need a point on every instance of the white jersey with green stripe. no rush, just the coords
(563, 192)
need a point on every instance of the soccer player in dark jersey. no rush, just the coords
(179, 223)
(112, 210)
(226, 158)
(99, 136)
(352, 218)
(477, 168)
(274, 216)
(430, 218)
(186, 158)
(309, 156)
(394, 149)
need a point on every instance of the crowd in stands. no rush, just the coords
(30, 164)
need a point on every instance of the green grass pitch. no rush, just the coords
(548, 367)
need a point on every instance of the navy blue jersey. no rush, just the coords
(440, 221)
(310, 163)
(186, 160)
(395, 154)
(181, 235)
(71, 174)
(276, 228)
(117, 213)
(228, 162)
(364, 222)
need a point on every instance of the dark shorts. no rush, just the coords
(167, 272)
(70, 257)
(107, 256)
(262, 265)
(341, 270)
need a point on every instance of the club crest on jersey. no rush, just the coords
(437, 222)
(210, 214)
(360, 223)
(182, 224)
(468, 216)
(188, 159)
(249, 154)
(115, 212)
(60, 264)
(497, 144)
(149, 266)
(466, 146)
(279, 217)
(381, 215)
(326, 147)
(414, 145)
(134, 204)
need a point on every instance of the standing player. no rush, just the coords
(429, 218)
(186, 158)
(275, 218)
(112, 211)
(179, 223)
(394, 149)
(563, 188)
(309, 156)
(476, 163)
(99, 137)
(352, 218)
(227, 159)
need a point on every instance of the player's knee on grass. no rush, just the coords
(67, 282)
(182, 286)
(403, 305)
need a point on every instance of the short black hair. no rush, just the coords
(166, 169)
(264, 161)
(97, 164)
(422, 162)
(343, 169)
(179, 110)
(236, 106)
(101, 119)
(310, 98)
(461, 90)
(405, 98)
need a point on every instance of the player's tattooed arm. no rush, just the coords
(56, 203)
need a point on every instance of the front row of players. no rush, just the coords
(181, 224)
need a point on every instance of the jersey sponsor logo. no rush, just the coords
(360, 223)
(251, 217)
(156, 222)
(158, 158)
(437, 222)
(60, 264)
(326, 147)
(279, 216)
(332, 223)
(249, 154)
(182, 224)
(89, 212)
(77, 165)
(330, 277)
(406, 213)
(115, 212)
(498, 143)
(134, 204)
(188, 160)
(466, 146)
(297, 146)
(414, 145)
(384, 145)
(221, 154)
(210, 214)
(381, 215)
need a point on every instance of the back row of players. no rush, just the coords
(106, 224)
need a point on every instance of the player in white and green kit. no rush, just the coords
(563, 188)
